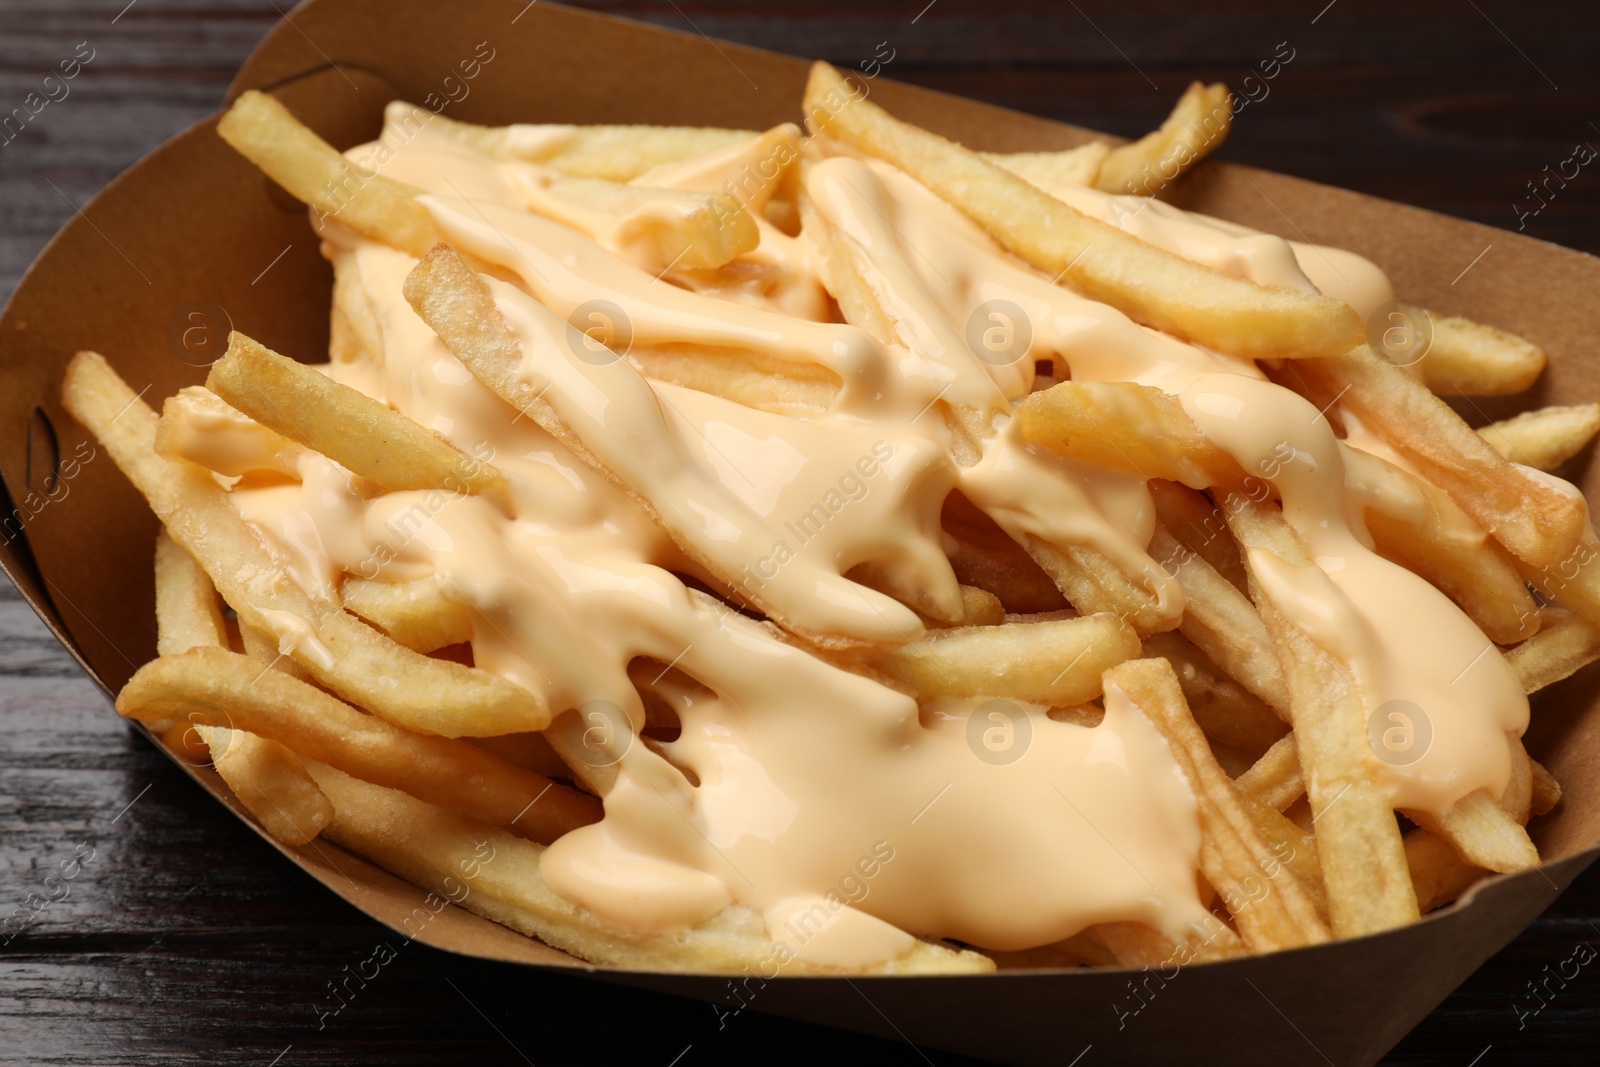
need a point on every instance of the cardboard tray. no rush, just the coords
(193, 240)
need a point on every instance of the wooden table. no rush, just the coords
(187, 940)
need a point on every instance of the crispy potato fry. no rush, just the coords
(1437, 870)
(1518, 796)
(1152, 286)
(339, 650)
(1467, 358)
(1071, 166)
(1193, 519)
(1545, 437)
(1269, 906)
(1227, 712)
(981, 607)
(266, 777)
(1222, 622)
(1537, 522)
(1197, 126)
(1450, 550)
(652, 228)
(1294, 847)
(1546, 791)
(1563, 646)
(748, 378)
(385, 448)
(1129, 427)
(421, 614)
(1483, 832)
(1358, 839)
(1136, 945)
(1096, 584)
(251, 447)
(1056, 663)
(982, 555)
(263, 131)
(220, 688)
(614, 153)
(1275, 779)
(446, 852)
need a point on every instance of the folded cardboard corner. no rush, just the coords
(193, 241)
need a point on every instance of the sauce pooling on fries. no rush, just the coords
(789, 777)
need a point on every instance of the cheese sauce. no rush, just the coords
(791, 778)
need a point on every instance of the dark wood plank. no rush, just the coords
(185, 939)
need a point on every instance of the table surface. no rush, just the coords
(185, 938)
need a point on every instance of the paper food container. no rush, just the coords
(193, 240)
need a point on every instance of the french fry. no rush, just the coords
(1564, 645)
(253, 448)
(1135, 945)
(1197, 126)
(1096, 584)
(1537, 522)
(614, 153)
(446, 852)
(220, 688)
(1358, 839)
(1151, 286)
(748, 378)
(1467, 358)
(1054, 663)
(385, 448)
(267, 778)
(985, 556)
(654, 228)
(1275, 778)
(1267, 902)
(1072, 166)
(263, 131)
(1222, 622)
(1129, 427)
(340, 651)
(1449, 549)
(1546, 791)
(1437, 870)
(1193, 519)
(419, 614)
(1544, 438)
(1227, 712)
(1483, 832)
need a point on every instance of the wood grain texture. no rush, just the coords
(187, 940)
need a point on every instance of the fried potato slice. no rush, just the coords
(1467, 358)
(1198, 125)
(1071, 166)
(653, 228)
(496, 875)
(263, 131)
(222, 688)
(1448, 548)
(1057, 662)
(1193, 519)
(340, 651)
(1228, 713)
(267, 777)
(1546, 791)
(389, 451)
(1544, 438)
(1437, 869)
(1268, 904)
(1222, 622)
(1275, 778)
(614, 153)
(1484, 832)
(1564, 645)
(1358, 840)
(419, 614)
(1151, 286)
(1129, 427)
(1539, 524)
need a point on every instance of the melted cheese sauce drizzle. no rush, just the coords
(790, 777)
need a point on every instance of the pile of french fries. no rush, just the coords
(352, 710)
